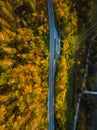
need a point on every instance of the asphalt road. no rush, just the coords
(54, 50)
(51, 67)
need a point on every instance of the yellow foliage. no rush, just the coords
(28, 89)
(24, 65)
(7, 62)
(2, 112)
(78, 62)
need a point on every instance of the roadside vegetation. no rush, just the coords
(74, 20)
(66, 17)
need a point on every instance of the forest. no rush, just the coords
(24, 61)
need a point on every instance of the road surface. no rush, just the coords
(54, 50)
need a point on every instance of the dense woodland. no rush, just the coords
(24, 61)
(23, 64)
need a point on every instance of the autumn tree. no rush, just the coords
(23, 65)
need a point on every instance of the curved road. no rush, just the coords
(85, 79)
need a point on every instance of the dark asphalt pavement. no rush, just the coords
(54, 50)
